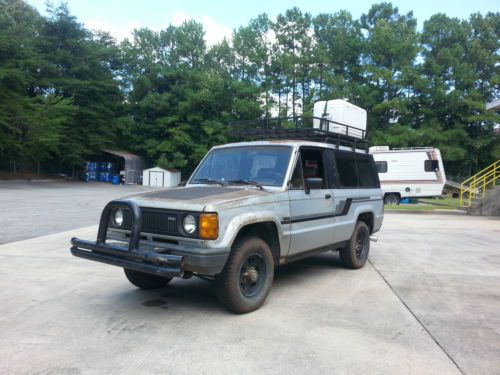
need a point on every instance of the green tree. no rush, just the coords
(81, 67)
(337, 56)
(30, 117)
(293, 50)
(389, 60)
(181, 106)
(460, 65)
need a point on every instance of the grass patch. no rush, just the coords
(429, 204)
(448, 202)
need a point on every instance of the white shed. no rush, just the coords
(160, 177)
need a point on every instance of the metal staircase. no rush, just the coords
(474, 190)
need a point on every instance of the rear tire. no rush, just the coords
(247, 277)
(146, 281)
(355, 253)
(392, 199)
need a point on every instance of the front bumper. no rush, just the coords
(142, 261)
(167, 263)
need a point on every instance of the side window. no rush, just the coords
(431, 165)
(297, 182)
(309, 164)
(346, 168)
(367, 177)
(381, 166)
(312, 164)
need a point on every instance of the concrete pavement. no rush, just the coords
(427, 303)
(446, 269)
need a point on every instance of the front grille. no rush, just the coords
(154, 220)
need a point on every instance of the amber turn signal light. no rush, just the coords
(209, 226)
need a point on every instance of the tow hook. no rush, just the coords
(374, 238)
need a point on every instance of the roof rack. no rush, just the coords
(306, 128)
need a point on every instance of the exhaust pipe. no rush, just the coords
(374, 238)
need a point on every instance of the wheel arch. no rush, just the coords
(393, 193)
(368, 219)
(265, 230)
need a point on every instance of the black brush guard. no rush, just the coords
(132, 258)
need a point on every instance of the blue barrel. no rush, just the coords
(91, 176)
(115, 180)
(109, 167)
(93, 166)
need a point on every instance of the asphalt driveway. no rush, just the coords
(31, 209)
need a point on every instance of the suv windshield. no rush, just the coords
(262, 165)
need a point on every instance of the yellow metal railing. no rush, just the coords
(476, 186)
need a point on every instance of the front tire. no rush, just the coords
(146, 281)
(245, 281)
(355, 254)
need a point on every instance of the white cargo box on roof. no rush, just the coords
(342, 113)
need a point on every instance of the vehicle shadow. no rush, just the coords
(199, 295)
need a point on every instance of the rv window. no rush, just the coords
(381, 166)
(366, 172)
(346, 168)
(431, 165)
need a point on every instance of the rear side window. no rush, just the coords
(367, 177)
(346, 169)
(431, 165)
(355, 170)
(381, 166)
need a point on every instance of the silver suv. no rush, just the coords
(247, 208)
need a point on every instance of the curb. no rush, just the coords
(434, 212)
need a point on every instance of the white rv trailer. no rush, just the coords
(409, 172)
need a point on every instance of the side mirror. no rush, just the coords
(313, 183)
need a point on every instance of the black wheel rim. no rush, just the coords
(252, 275)
(362, 242)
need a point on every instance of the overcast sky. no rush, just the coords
(219, 18)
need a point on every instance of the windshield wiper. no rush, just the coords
(246, 182)
(209, 181)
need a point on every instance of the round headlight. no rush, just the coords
(189, 224)
(118, 218)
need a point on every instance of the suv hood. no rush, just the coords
(196, 198)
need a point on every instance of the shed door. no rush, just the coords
(156, 178)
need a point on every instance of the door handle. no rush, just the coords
(328, 196)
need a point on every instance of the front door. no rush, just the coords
(312, 212)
